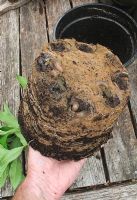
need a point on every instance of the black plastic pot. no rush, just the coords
(126, 2)
(103, 24)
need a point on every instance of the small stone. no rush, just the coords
(75, 106)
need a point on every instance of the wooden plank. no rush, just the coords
(55, 9)
(81, 2)
(9, 67)
(93, 172)
(132, 70)
(121, 151)
(128, 192)
(33, 34)
(5, 5)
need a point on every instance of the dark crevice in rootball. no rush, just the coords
(57, 46)
(84, 47)
(111, 99)
(44, 62)
(121, 79)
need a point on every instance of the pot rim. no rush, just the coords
(98, 4)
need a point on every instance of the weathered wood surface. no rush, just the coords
(92, 173)
(121, 151)
(55, 10)
(5, 5)
(33, 34)
(128, 192)
(132, 70)
(81, 2)
(9, 67)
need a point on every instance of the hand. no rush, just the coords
(50, 176)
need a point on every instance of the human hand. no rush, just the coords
(50, 176)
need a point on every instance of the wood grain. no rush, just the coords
(128, 192)
(33, 34)
(9, 67)
(81, 2)
(92, 173)
(121, 151)
(55, 10)
(5, 6)
(132, 70)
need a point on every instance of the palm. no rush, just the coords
(59, 174)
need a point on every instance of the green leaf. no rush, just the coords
(6, 130)
(4, 138)
(12, 125)
(16, 173)
(15, 143)
(4, 177)
(3, 141)
(8, 118)
(18, 134)
(7, 156)
(22, 81)
(21, 137)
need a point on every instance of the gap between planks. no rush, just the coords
(120, 192)
(132, 70)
